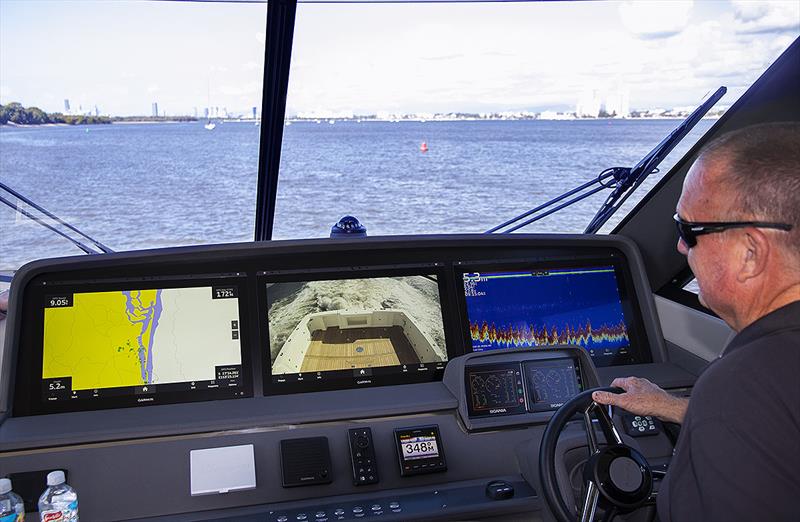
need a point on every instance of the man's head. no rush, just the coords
(752, 174)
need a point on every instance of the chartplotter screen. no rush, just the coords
(149, 344)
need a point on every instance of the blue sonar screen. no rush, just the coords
(540, 308)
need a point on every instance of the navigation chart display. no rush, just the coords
(356, 327)
(141, 342)
(551, 383)
(546, 307)
(495, 390)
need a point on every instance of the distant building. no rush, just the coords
(195, 112)
(589, 104)
(155, 109)
(205, 113)
(254, 113)
(66, 105)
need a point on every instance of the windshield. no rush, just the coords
(416, 117)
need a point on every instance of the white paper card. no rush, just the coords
(220, 470)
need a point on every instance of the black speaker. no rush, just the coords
(305, 462)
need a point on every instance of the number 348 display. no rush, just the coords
(420, 448)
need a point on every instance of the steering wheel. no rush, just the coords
(616, 476)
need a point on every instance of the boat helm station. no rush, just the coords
(442, 377)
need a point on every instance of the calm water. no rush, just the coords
(151, 185)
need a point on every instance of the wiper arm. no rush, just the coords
(98, 246)
(623, 180)
(636, 176)
(584, 192)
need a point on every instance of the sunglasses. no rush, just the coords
(689, 230)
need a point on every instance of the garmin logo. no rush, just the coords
(498, 410)
(365, 381)
(145, 399)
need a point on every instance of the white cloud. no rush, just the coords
(657, 18)
(261, 38)
(152, 88)
(766, 16)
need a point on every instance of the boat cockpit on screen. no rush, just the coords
(545, 306)
(362, 331)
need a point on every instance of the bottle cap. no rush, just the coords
(54, 478)
(5, 486)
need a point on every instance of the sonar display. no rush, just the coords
(524, 309)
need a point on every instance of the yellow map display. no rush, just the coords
(101, 341)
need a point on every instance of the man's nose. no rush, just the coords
(682, 248)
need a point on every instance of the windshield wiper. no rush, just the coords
(96, 248)
(623, 180)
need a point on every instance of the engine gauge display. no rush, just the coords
(495, 389)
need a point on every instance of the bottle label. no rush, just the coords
(69, 514)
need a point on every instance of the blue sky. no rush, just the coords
(122, 56)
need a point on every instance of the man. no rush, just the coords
(738, 454)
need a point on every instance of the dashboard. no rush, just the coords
(320, 379)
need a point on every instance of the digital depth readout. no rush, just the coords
(419, 447)
(420, 450)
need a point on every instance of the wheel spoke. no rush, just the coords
(607, 425)
(589, 503)
(590, 435)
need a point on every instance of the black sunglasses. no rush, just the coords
(689, 230)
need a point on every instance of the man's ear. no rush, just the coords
(755, 254)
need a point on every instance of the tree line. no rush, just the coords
(15, 113)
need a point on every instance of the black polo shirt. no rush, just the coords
(738, 454)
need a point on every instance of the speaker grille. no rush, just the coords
(305, 462)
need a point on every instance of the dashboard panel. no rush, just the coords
(379, 372)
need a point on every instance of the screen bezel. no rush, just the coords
(501, 366)
(531, 389)
(346, 379)
(639, 352)
(31, 400)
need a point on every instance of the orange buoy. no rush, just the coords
(423, 147)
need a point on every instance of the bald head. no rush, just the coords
(758, 168)
(752, 174)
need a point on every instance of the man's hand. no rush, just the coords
(642, 397)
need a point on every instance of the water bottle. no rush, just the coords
(59, 502)
(12, 509)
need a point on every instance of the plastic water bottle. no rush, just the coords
(59, 502)
(12, 509)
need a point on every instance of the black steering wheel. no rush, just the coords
(616, 476)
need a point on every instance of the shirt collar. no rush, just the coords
(784, 318)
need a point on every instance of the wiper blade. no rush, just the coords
(647, 165)
(623, 180)
(98, 246)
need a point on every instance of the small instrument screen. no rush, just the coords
(420, 450)
(142, 345)
(421, 446)
(360, 330)
(495, 390)
(581, 306)
(551, 383)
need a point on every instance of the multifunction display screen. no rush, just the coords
(354, 328)
(419, 450)
(142, 343)
(495, 389)
(545, 307)
(551, 383)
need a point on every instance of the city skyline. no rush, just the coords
(476, 58)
